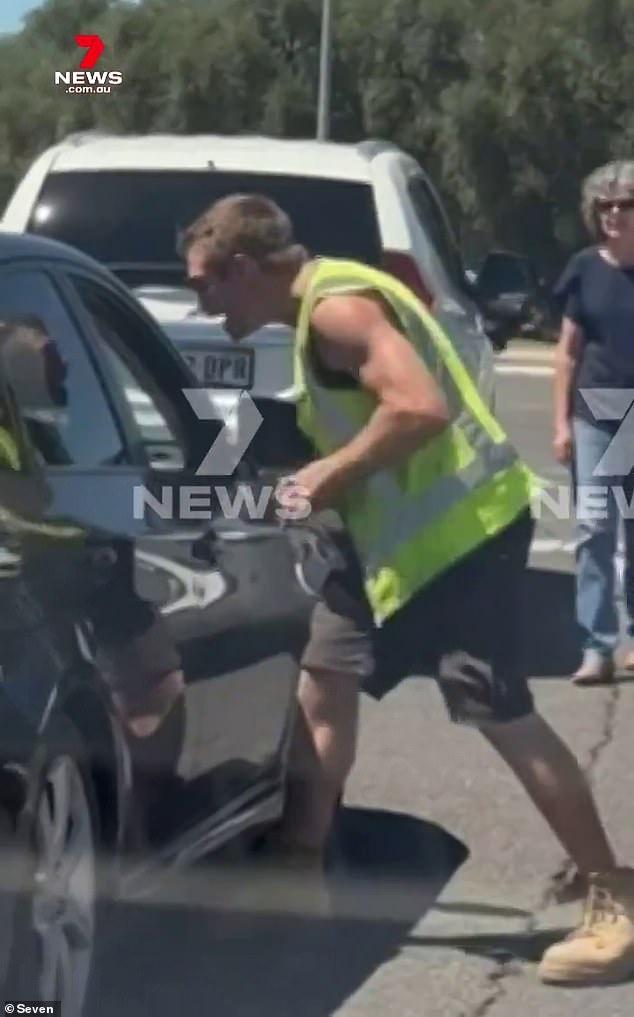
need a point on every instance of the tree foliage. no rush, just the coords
(506, 105)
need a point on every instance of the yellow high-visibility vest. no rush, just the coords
(14, 524)
(415, 520)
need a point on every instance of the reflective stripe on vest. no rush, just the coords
(9, 449)
(404, 506)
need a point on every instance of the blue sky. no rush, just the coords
(11, 12)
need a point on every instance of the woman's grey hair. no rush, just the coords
(604, 182)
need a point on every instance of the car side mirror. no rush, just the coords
(507, 278)
(504, 289)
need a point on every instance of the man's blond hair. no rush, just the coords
(249, 224)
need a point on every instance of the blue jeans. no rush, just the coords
(597, 542)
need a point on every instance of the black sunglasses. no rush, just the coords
(622, 204)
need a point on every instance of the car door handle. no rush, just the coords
(316, 556)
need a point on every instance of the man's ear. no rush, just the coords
(244, 267)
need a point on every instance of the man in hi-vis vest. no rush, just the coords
(435, 505)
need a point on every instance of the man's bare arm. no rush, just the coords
(355, 335)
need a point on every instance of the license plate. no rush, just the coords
(224, 368)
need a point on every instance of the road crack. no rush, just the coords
(562, 877)
(507, 966)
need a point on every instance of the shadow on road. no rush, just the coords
(551, 637)
(551, 640)
(192, 955)
(503, 947)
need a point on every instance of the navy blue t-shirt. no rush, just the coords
(599, 297)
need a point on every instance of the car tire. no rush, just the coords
(56, 926)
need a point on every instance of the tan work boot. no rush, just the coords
(601, 950)
(595, 670)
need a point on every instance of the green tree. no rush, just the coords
(506, 107)
(541, 107)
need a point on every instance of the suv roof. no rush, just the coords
(93, 151)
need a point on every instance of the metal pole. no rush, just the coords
(325, 72)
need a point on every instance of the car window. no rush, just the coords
(52, 376)
(135, 224)
(150, 412)
(434, 222)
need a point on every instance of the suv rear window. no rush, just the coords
(133, 218)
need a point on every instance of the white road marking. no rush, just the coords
(535, 371)
(528, 353)
(550, 545)
(535, 361)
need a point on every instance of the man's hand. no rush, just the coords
(314, 487)
(319, 483)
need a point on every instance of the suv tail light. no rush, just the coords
(405, 269)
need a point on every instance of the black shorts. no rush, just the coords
(465, 628)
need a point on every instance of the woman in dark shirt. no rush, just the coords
(594, 417)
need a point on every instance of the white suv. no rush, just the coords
(124, 200)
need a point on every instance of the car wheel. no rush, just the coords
(55, 932)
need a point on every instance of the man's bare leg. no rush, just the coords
(602, 950)
(554, 781)
(322, 756)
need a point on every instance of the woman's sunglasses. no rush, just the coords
(622, 204)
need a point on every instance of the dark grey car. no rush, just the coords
(74, 784)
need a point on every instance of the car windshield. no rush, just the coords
(131, 220)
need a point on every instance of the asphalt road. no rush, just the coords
(443, 898)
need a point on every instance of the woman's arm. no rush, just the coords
(566, 358)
